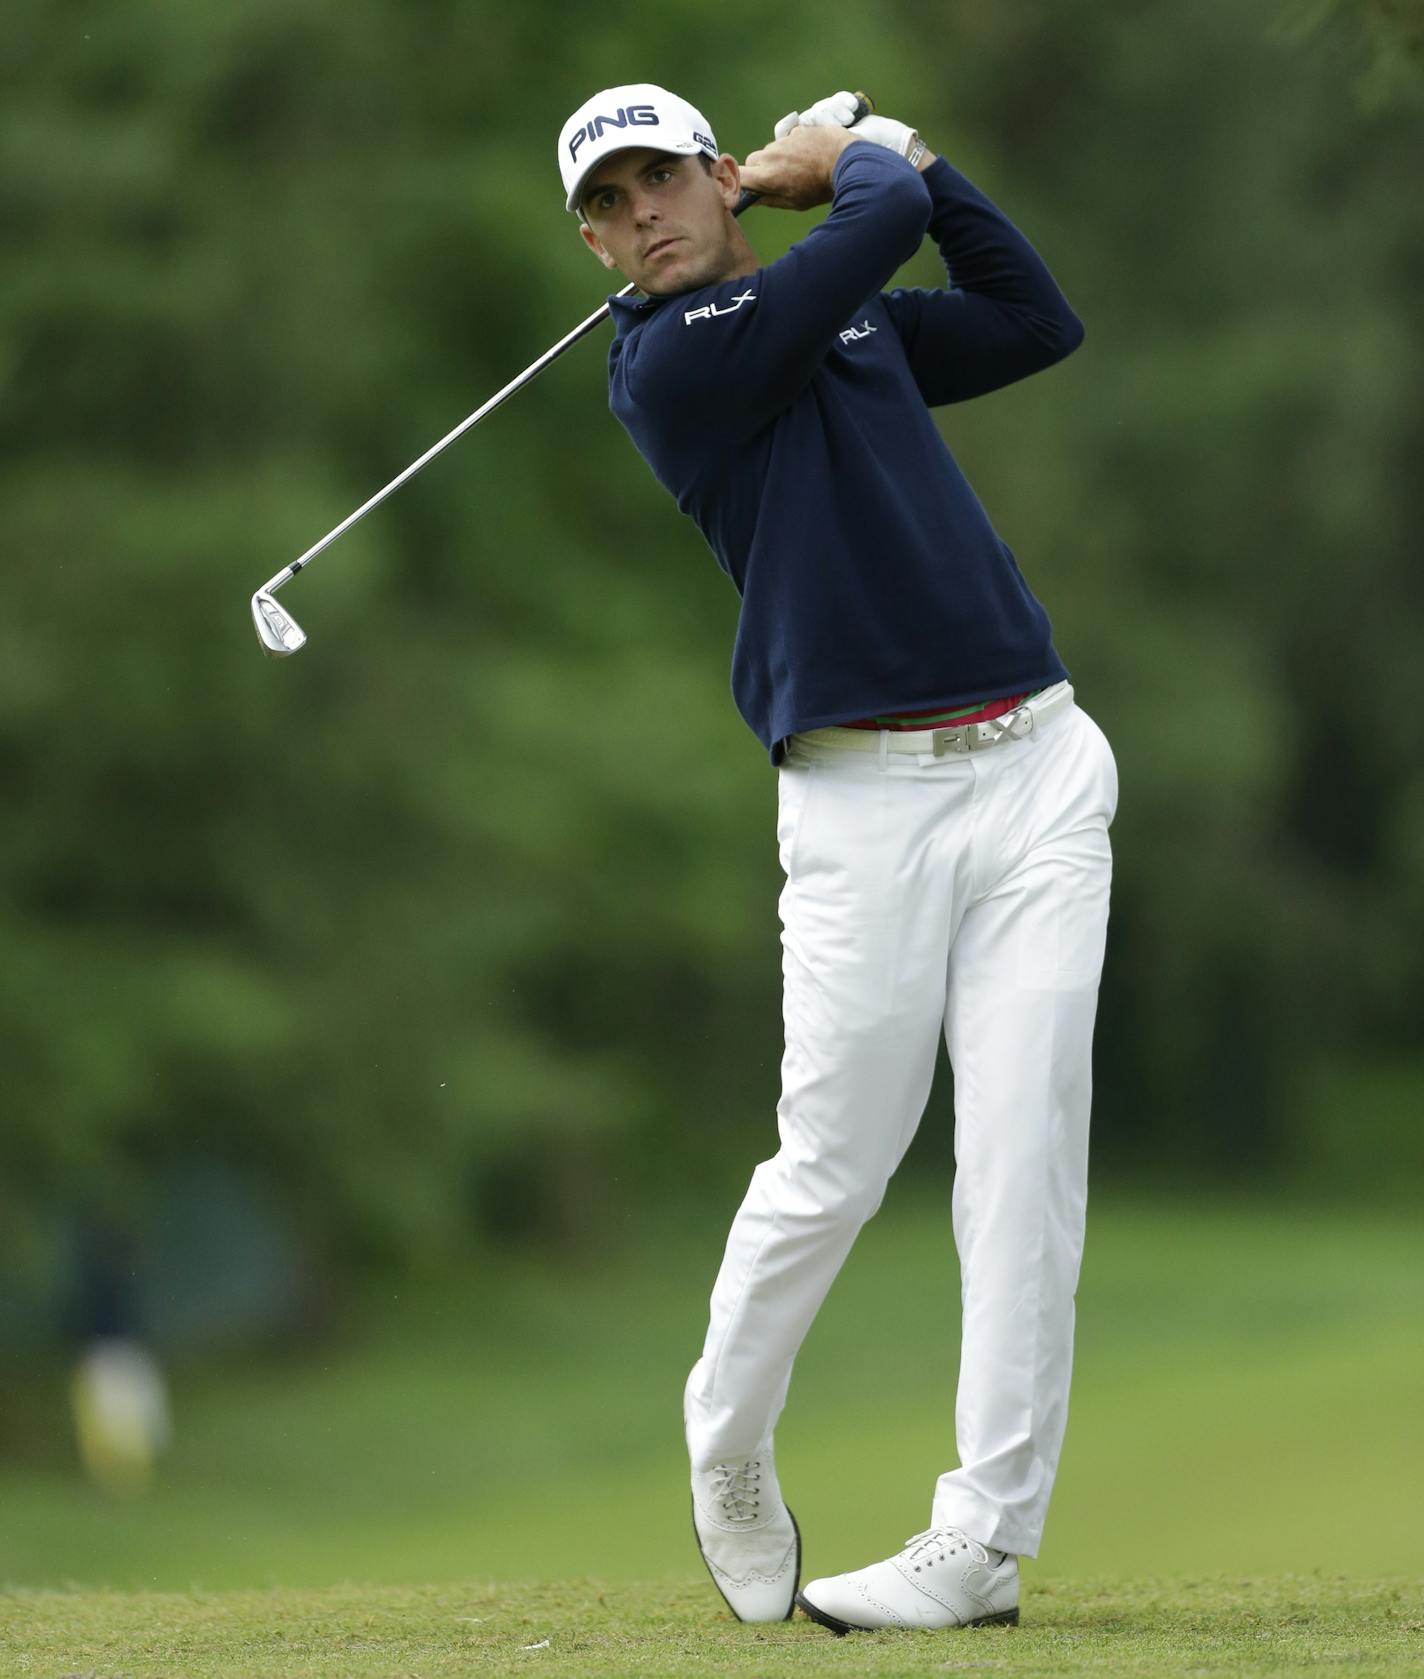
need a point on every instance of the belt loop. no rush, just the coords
(884, 749)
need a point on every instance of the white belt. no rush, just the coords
(949, 742)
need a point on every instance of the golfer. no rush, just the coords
(943, 807)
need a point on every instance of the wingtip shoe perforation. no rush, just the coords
(942, 1578)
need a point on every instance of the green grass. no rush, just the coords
(1246, 1403)
(1279, 1626)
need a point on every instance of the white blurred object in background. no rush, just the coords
(122, 1418)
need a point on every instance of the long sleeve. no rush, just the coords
(731, 356)
(1001, 316)
(786, 413)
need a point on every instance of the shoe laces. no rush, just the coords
(737, 1488)
(936, 1543)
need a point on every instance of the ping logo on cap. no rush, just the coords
(626, 116)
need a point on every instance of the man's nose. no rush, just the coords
(645, 208)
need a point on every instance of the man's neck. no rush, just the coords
(741, 260)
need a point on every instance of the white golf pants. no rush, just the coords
(967, 895)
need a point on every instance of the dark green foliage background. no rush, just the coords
(463, 922)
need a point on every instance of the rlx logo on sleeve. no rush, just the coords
(626, 116)
(708, 310)
(851, 333)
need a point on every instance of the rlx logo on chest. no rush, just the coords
(852, 333)
(708, 310)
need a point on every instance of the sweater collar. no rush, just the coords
(628, 311)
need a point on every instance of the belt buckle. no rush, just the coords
(1014, 725)
(950, 740)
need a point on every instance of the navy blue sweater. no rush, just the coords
(788, 413)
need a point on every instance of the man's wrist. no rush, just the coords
(916, 153)
(846, 138)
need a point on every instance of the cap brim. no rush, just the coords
(684, 148)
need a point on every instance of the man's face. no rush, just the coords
(662, 218)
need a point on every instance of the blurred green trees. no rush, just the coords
(1382, 41)
(432, 929)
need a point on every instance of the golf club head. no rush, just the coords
(278, 633)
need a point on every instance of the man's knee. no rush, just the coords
(827, 1191)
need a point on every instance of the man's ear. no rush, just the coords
(727, 173)
(590, 238)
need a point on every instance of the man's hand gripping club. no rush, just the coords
(794, 172)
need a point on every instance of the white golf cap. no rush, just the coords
(620, 118)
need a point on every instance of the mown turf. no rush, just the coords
(1246, 1399)
(1286, 1625)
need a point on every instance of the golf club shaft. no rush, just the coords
(503, 395)
(567, 341)
(865, 105)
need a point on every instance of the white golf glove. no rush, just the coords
(838, 111)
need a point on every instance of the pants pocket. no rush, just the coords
(793, 789)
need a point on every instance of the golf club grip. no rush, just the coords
(864, 105)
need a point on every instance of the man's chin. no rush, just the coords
(674, 278)
(669, 285)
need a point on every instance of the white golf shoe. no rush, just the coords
(748, 1538)
(941, 1579)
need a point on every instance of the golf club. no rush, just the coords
(278, 632)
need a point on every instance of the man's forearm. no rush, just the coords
(983, 251)
(1001, 317)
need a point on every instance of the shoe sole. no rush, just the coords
(1005, 1618)
(795, 1584)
